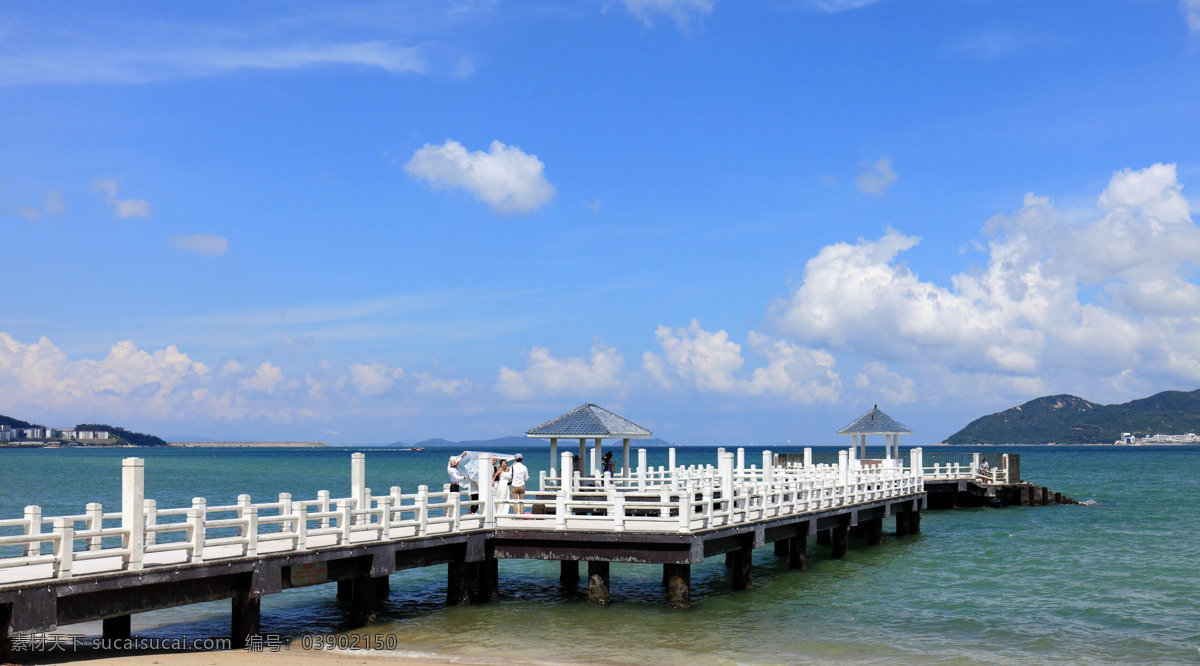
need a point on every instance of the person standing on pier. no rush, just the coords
(456, 477)
(609, 467)
(520, 473)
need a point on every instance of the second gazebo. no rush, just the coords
(589, 422)
(875, 422)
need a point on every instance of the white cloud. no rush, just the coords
(266, 379)
(876, 177)
(55, 205)
(373, 379)
(92, 64)
(506, 178)
(201, 243)
(546, 374)
(710, 362)
(1027, 319)
(876, 381)
(124, 208)
(1191, 12)
(681, 11)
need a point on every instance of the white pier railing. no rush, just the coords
(675, 499)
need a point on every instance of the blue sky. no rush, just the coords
(730, 222)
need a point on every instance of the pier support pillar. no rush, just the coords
(798, 556)
(118, 627)
(729, 560)
(874, 528)
(839, 547)
(598, 583)
(782, 547)
(568, 573)
(914, 522)
(902, 524)
(824, 538)
(678, 581)
(489, 581)
(742, 559)
(459, 579)
(247, 617)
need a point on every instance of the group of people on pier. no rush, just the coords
(508, 480)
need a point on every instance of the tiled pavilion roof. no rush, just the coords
(589, 421)
(875, 422)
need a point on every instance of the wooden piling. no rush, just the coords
(568, 573)
(914, 522)
(678, 585)
(743, 558)
(598, 582)
(246, 621)
(118, 627)
(798, 553)
(840, 545)
(459, 576)
(874, 529)
(902, 524)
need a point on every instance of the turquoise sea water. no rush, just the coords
(1114, 581)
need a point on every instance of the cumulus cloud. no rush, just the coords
(709, 362)
(124, 208)
(505, 177)
(833, 6)
(373, 379)
(201, 243)
(681, 11)
(875, 380)
(266, 379)
(1027, 319)
(54, 205)
(547, 374)
(876, 177)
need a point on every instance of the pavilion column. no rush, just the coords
(553, 454)
(582, 454)
(596, 456)
(625, 458)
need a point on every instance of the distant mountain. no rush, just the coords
(134, 438)
(16, 423)
(1067, 419)
(520, 442)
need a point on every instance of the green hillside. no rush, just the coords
(16, 423)
(1067, 419)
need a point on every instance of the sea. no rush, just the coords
(1115, 579)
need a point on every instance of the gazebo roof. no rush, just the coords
(589, 421)
(875, 422)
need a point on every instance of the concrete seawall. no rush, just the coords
(249, 445)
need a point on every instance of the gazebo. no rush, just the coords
(586, 422)
(875, 422)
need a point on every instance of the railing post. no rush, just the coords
(133, 491)
(65, 531)
(671, 467)
(685, 511)
(768, 468)
(618, 505)
(345, 508)
(741, 459)
(198, 513)
(808, 456)
(150, 508)
(195, 518)
(975, 464)
(485, 490)
(385, 515)
(567, 473)
(455, 511)
(95, 521)
(422, 503)
(542, 481)
(251, 530)
(301, 527)
(243, 513)
(285, 509)
(323, 506)
(358, 479)
(641, 469)
(560, 509)
(33, 527)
